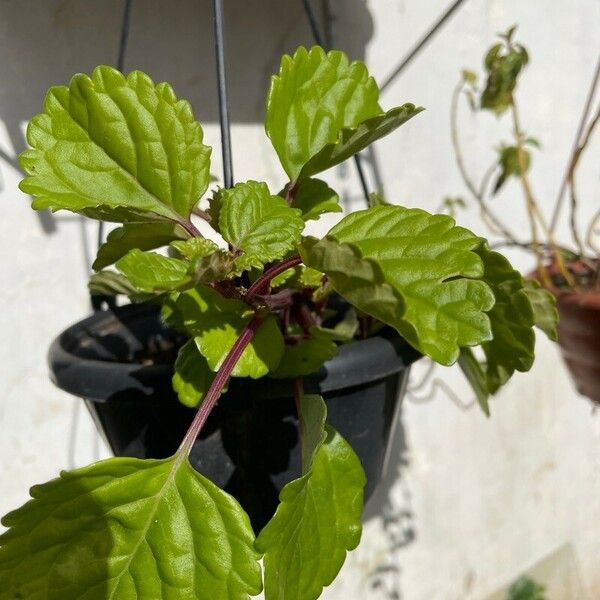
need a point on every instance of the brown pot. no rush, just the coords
(579, 339)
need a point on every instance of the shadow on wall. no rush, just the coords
(391, 502)
(44, 43)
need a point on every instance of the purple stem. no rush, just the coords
(190, 228)
(218, 384)
(258, 286)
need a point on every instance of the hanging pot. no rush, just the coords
(579, 339)
(249, 445)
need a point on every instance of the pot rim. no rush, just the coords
(99, 379)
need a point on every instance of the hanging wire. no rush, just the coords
(219, 22)
(421, 44)
(124, 39)
(320, 40)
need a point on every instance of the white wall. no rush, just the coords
(469, 503)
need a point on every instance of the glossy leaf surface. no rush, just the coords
(313, 97)
(351, 140)
(117, 148)
(315, 198)
(192, 376)
(152, 272)
(543, 304)
(262, 226)
(216, 322)
(128, 528)
(140, 236)
(305, 357)
(318, 520)
(433, 270)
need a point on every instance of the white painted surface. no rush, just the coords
(475, 501)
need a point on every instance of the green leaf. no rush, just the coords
(216, 322)
(312, 98)
(192, 376)
(305, 357)
(361, 281)
(314, 198)
(430, 265)
(263, 226)
(128, 528)
(543, 304)
(152, 272)
(298, 277)
(109, 283)
(475, 375)
(512, 345)
(510, 165)
(195, 248)
(354, 139)
(318, 520)
(344, 331)
(378, 199)
(143, 236)
(116, 148)
(504, 63)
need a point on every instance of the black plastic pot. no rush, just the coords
(249, 446)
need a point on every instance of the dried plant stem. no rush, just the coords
(535, 215)
(489, 218)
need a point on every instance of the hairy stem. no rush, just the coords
(488, 217)
(218, 384)
(263, 281)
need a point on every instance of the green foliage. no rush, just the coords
(352, 140)
(192, 377)
(344, 331)
(140, 236)
(526, 588)
(122, 149)
(262, 226)
(322, 109)
(433, 272)
(543, 304)
(315, 96)
(109, 283)
(152, 272)
(510, 164)
(129, 528)
(116, 148)
(216, 322)
(318, 520)
(512, 318)
(314, 197)
(503, 63)
(305, 357)
(194, 248)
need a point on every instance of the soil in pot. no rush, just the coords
(121, 363)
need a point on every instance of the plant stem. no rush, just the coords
(190, 228)
(533, 210)
(263, 281)
(489, 218)
(576, 144)
(218, 384)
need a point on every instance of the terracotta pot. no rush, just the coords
(579, 339)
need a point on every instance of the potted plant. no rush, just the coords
(281, 318)
(571, 273)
